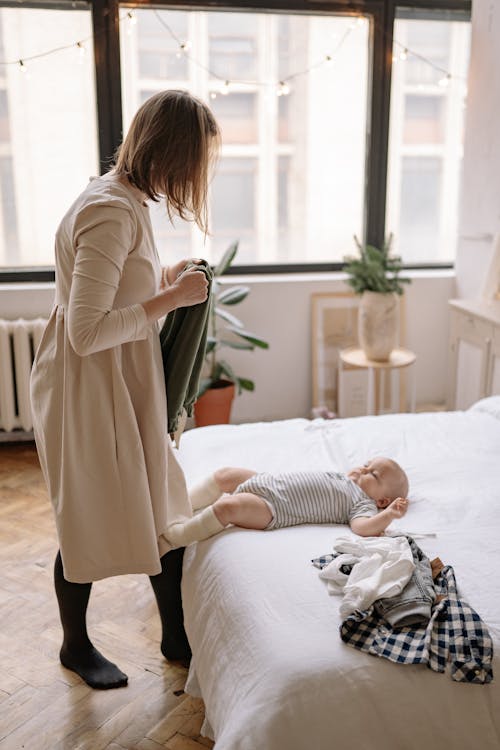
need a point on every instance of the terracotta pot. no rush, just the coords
(214, 407)
(378, 324)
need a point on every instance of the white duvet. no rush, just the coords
(267, 655)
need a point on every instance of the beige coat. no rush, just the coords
(98, 392)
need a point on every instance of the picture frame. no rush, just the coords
(334, 320)
(334, 326)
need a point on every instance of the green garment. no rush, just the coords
(183, 338)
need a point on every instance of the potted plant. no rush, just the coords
(375, 275)
(220, 382)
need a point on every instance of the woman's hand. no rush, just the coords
(190, 288)
(170, 273)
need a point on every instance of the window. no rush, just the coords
(426, 137)
(47, 122)
(290, 181)
(303, 165)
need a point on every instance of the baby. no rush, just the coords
(368, 498)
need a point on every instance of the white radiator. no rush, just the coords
(19, 340)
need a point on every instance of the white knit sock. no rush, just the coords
(204, 493)
(201, 526)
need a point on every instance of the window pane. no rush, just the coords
(424, 119)
(426, 137)
(233, 43)
(432, 40)
(160, 35)
(420, 207)
(233, 206)
(237, 117)
(48, 134)
(290, 182)
(9, 214)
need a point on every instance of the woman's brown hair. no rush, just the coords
(169, 151)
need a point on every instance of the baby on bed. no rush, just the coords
(368, 498)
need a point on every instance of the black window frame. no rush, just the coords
(382, 13)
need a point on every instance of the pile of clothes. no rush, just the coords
(399, 605)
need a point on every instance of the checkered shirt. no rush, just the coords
(455, 633)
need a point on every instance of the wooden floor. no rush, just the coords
(44, 706)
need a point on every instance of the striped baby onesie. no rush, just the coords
(310, 497)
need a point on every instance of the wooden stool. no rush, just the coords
(398, 360)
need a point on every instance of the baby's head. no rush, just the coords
(382, 479)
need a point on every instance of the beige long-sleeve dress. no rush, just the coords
(98, 392)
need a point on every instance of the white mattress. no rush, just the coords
(267, 655)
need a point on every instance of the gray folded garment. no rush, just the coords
(413, 606)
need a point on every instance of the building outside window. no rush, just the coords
(290, 182)
(48, 131)
(426, 137)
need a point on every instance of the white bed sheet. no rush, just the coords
(267, 655)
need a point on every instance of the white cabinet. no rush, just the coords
(474, 352)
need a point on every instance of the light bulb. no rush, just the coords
(81, 51)
(283, 89)
(131, 21)
(444, 82)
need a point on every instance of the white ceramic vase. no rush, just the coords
(378, 324)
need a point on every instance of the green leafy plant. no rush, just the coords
(376, 270)
(226, 331)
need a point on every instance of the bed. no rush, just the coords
(268, 660)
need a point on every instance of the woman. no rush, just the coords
(97, 388)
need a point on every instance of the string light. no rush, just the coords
(444, 82)
(446, 77)
(132, 20)
(183, 48)
(82, 51)
(282, 87)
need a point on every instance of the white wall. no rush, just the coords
(480, 204)
(278, 309)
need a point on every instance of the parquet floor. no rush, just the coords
(46, 707)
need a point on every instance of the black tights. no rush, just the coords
(167, 590)
(78, 653)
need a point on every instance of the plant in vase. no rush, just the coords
(375, 275)
(220, 383)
